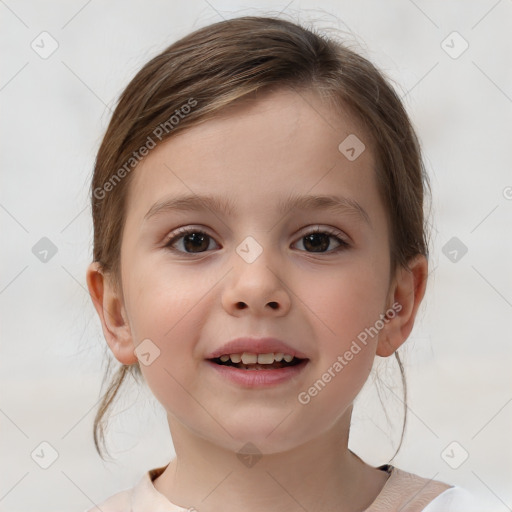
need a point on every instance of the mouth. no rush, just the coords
(249, 370)
(250, 361)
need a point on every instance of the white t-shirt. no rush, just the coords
(403, 491)
(454, 499)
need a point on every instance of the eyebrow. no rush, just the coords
(336, 204)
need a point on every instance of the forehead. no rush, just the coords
(260, 150)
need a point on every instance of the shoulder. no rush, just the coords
(407, 492)
(140, 498)
(120, 502)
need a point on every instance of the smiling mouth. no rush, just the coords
(274, 365)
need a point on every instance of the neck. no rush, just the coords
(322, 474)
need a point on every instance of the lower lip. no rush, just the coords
(259, 378)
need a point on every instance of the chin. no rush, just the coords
(268, 437)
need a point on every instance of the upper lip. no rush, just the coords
(256, 346)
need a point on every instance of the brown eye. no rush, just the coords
(192, 241)
(319, 241)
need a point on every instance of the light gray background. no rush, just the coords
(54, 114)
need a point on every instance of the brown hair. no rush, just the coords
(212, 68)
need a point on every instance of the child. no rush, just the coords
(258, 240)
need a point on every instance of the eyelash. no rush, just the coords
(182, 232)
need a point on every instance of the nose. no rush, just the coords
(256, 287)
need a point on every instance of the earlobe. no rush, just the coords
(110, 309)
(407, 292)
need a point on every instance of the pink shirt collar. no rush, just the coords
(401, 489)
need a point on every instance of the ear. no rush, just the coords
(406, 290)
(110, 308)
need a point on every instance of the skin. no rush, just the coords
(188, 304)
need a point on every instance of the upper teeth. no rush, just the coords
(248, 358)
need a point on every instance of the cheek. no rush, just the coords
(172, 375)
(158, 299)
(168, 311)
(346, 302)
(337, 381)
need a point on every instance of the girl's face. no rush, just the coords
(255, 273)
